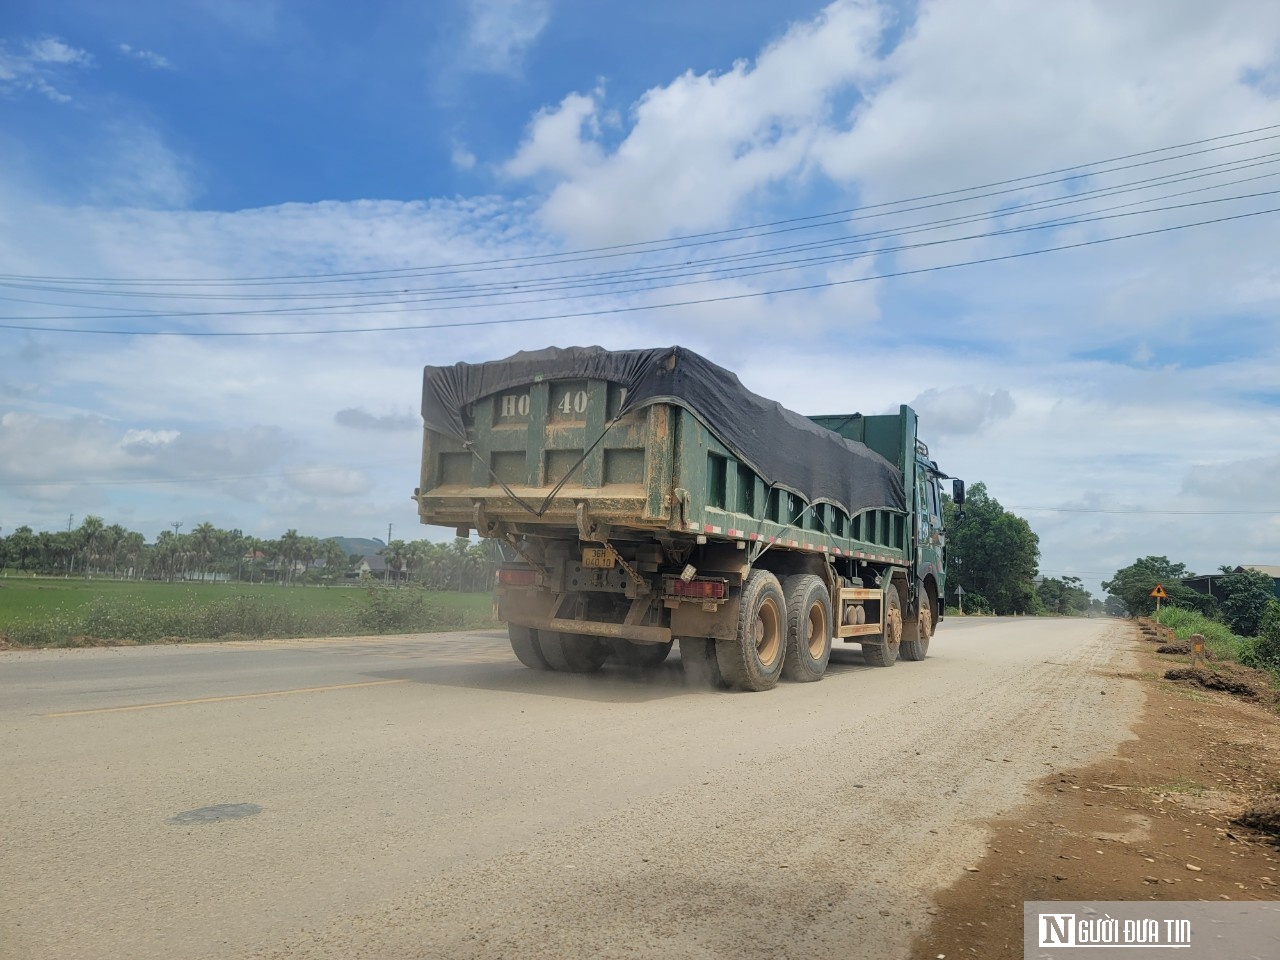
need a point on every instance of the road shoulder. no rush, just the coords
(1155, 822)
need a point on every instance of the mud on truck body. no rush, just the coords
(646, 496)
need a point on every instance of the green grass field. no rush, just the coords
(59, 612)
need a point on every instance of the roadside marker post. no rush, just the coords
(1197, 648)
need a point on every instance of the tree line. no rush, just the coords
(98, 549)
(1244, 597)
(993, 556)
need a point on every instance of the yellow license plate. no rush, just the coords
(597, 557)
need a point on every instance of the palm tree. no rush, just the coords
(204, 538)
(309, 550)
(24, 546)
(396, 554)
(56, 551)
(290, 543)
(89, 535)
(132, 547)
(477, 566)
(459, 560)
(169, 555)
(112, 542)
(416, 556)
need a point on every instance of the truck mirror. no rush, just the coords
(957, 492)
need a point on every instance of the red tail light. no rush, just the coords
(697, 589)
(517, 577)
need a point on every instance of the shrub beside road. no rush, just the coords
(1261, 652)
(39, 612)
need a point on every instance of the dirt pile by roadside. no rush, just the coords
(1232, 678)
(1190, 810)
(1263, 816)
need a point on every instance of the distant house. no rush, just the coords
(375, 567)
(1211, 583)
(1270, 570)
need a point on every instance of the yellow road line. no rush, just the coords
(236, 696)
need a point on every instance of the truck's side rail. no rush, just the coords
(722, 497)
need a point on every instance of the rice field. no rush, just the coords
(47, 611)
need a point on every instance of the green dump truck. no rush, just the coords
(645, 496)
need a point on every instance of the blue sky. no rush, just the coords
(279, 102)
(1120, 393)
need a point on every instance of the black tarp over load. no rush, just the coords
(787, 450)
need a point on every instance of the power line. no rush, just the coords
(674, 274)
(658, 245)
(614, 311)
(171, 480)
(362, 309)
(658, 273)
(1170, 513)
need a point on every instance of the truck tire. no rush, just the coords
(753, 661)
(918, 648)
(808, 628)
(573, 652)
(524, 644)
(701, 667)
(884, 652)
(643, 656)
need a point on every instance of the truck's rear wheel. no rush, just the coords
(701, 667)
(808, 627)
(753, 661)
(644, 656)
(918, 648)
(524, 644)
(884, 652)
(573, 652)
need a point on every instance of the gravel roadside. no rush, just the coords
(1158, 821)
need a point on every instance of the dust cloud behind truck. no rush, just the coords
(646, 496)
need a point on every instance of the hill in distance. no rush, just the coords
(364, 546)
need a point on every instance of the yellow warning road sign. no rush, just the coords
(1159, 593)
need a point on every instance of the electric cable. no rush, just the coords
(606, 311)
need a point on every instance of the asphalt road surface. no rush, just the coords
(426, 796)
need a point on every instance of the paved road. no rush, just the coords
(426, 796)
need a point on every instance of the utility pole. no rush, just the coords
(388, 533)
(177, 525)
(70, 517)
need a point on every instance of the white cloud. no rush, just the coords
(699, 147)
(329, 481)
(501, 31)
(147, 441)
(974, 92)
(94, 449)
(963, 409)
(149, 57)
(137, 168)
(462, 158)
(555, 143)
(258, 20)
(1248, 484)
(40, 66)
(982, 90)
(358, 418)
(53, 50)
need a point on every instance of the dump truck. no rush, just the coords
(645, 497)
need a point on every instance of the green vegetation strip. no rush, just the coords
(38, 612)
(1262, 651)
